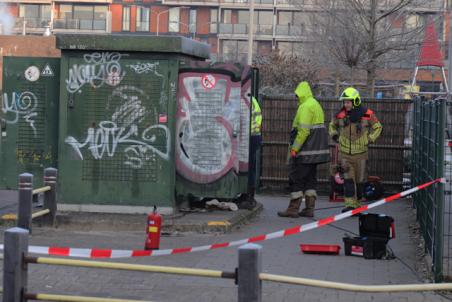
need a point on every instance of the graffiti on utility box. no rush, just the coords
(20, 105)
(99, 69)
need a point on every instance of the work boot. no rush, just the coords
(247, 200)
(308, 211)
(292, 210)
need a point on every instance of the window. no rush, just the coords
(263, 17)
(88, 17)
(142, 18)
(284, 18)
(174, 20)
(192, 21)
(243, 17)
(65, 11)
(100, 17)
(36, 15)
(233, 50)
(214, 21)
(263, 48)
(29, 11)
(227, 16)
(84, 14)
(126, 18)
(412, 21)
(285, 48)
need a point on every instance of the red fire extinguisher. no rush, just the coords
(153, 227)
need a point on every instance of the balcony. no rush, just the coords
(30, 25)
(219, 2)
(242, 29)
(80, 24)
(289, 30)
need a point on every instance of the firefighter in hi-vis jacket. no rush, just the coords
(308, 147)
(353, 128)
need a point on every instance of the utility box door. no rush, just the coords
(29, 118)
(116, 129)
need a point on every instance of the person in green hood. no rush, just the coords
(308, 147)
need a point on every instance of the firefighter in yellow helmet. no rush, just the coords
(308, 147)
(353, 128)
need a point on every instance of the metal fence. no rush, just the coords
(430, 149)
(278, 113)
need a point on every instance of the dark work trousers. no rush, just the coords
(302, 177)
(255, 145)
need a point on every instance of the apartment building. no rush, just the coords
(285, 25)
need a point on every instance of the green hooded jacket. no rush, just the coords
(309, 138)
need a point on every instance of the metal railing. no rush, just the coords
(428, 152)
(242, 29)
(80, 24)
(289, 30)
(31, 22)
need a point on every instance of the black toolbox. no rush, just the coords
(367, 247)
(376, 225)
(375, 230)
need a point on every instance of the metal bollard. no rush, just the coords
(25, 201)
(14, 266)
(50, 197)
(250, 266)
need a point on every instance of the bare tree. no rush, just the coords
(367, 33)
(281, 73)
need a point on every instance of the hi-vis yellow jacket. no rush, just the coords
(354, 138)
(309, 138)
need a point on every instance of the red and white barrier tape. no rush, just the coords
(107, 253)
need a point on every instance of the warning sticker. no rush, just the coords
(208, 81)
(47, 71)
(32, 73)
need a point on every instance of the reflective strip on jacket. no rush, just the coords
(256, 117)
(354, 138)
(310, 137)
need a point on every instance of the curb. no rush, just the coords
(218, 226)
(77, 221)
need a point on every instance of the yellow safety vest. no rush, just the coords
(256, 117)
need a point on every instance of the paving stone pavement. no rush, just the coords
(280, 256)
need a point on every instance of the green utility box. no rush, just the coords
(117, 118)
(29, 118)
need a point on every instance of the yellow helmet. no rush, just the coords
(351, 94)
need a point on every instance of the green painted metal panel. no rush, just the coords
(116, 128)
(29, 118)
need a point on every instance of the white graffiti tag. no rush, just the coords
(106, 139)
(146, 68)
(21, 104)
(100, 68)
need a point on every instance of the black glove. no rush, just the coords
(335, 138)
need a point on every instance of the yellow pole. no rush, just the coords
(356, 287)
(41, 190)
(132, 267)
(40, 213)
(49, 297)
